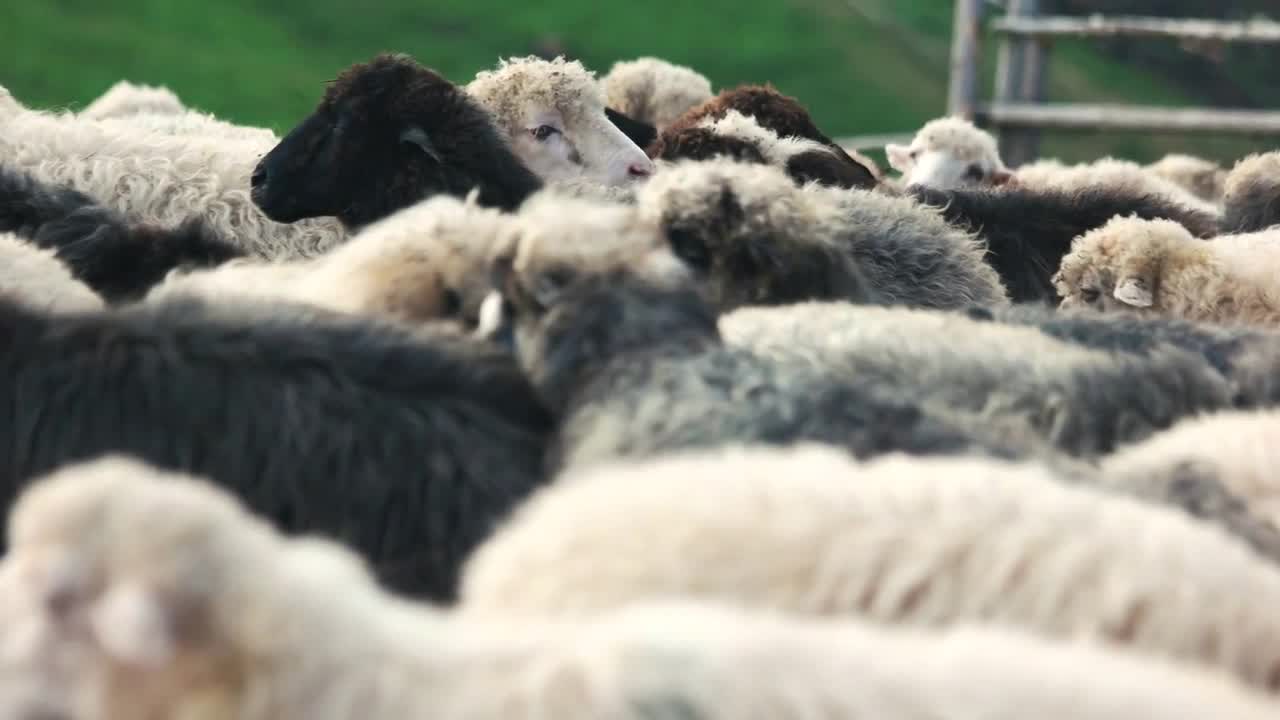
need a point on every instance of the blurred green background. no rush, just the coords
(862, 66)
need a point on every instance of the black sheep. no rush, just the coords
(407, 447)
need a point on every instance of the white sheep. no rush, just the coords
(1157, 266)
(162, 179)
(553, 112)
(1203, 178)
(133, 593)
(125, 98)
(654, 91)
(949, 153)
(190, 123)
(1241, 450)
(1123, 175)
(36, 277)
(927, 542)
(1252, 194)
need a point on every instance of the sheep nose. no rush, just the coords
(640, 170)
(259, 177)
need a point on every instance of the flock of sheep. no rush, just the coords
(552, 395)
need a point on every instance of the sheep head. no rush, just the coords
(950, 153)
(387, 134)
(1118, 266)
(554, 114)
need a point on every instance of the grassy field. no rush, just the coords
(863, 66)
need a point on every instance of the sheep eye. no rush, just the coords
(542, 132)
(452, 302)
(1090, 295)
(973, 172)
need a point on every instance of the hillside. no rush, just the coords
(863, 66)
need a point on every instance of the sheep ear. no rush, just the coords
(899, 157)
(132, 625)
(1134, 291)
(416, 136)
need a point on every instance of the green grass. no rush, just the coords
(862, 66)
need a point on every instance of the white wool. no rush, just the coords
(38, 279)
(776, 150)
(9, 105)
(526, 94)
(1203, 178)
(1239, 449)
(292, 629)
(654, 91)
(161, 178)
(1121, 175)
(924, 542)
(189, 123)
(125, 98)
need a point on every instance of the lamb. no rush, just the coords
(629, 357)
(1203, 178)
(427, 263)
(393, 133)
(407, 445)
(654, 91)
(162, 180)
(947, 154)
(209, 612)
(784, 116)
(741, 138)
(1121, 176)
(1158, 267)
(118, 259)
(924, 542)
(756, 238)
(1083, 401)
(125, 98)
(1027, 231)
(1252, 194)
(553, 112)
(38, 279)
(1238, 449)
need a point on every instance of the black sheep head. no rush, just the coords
(388, 134)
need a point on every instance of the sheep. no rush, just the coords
(394, 133)
(211, 613)
(125, 98)
(626, 352)
(423, 264)
(1027, 231)
(118, 259)
(1238, 449)
(947, 154)
(405, 444)
(1121, 176)
(190, 123)
(1252, 194)
(1158, 267)
(926, 542)
(37, 278)
(742, 138)
(784, 116)
(1083, 401)
(1203, 178)
(654, 91)
(162, 180)
(553, 112)
(756, 238)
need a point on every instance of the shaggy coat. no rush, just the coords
(1122, 177)
(1083, 401)
(654, 91)
(739, 137)
(211, 614)
(1252, 195)
(407, 448)
(125, 99)
(1158, 267)
(388, 133)
(1203, 178)
(635, 370)
(1027, 232)
(757, 239)
(118, 259)
(929, 542)
(784, 116)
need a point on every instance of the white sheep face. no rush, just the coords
(561, 147)
(942, 170)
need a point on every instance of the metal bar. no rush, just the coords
(1257, 31)
(966, 58)
(1067, 116)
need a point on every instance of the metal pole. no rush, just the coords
(1019, 78)
(966, 54)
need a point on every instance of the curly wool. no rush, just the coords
(125, 99)
(1203, 178)
(654, 91)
